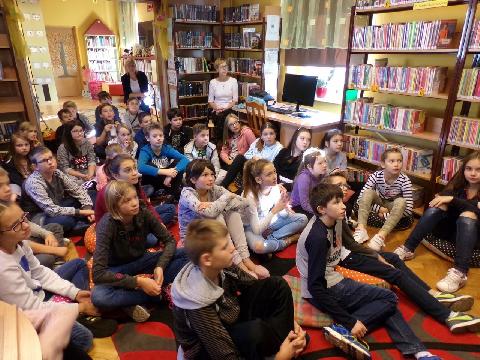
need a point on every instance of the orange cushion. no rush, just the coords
(89, 238)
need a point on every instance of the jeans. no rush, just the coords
(465, 238)
(266, 318)
(76, 272)
(235, 167)
(281, 228)
(376, 307)
(68, 222)
(167, 213)
(400, 276)
(48, 260)
(157, 182)
(106, 296)
(81, 337)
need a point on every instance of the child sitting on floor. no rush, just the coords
(357, 308)
(387, 194)
(28, 284)
(221, 312)
(18, 166)
(72, 107)
(105, 129)
(105, 98)
(332, 143)
(111, 151)
(201, 148)
(29, 131)
(120, 254)
(266, 147)
(201, 198)
(177, 134)
(145, 119)
(269, 222)
(125, 140)
(131, 117)
(310, 173)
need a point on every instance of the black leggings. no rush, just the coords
(233, 169)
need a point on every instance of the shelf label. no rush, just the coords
(351, 156)
(421, 92)
(374, 88)
(387, 4)
(430, 4)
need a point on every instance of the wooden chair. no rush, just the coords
(256, 116)
(18, 338)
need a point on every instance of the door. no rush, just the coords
(63, 52)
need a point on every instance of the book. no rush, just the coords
(245, 65)
(193, 88)
(190, 65)
(446, 33)
(374, 4)
(464, 131)
(194, 110)
(450, 166)
(206, 13)
(195, 39)
(241, 13)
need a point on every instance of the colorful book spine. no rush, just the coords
(194, 39)
(470, 84)
(415, 160)
(475, 37)
(207, 13)
(242, 13)
(245, 65)
(193, 88)
(419, 81)
(244, 88)
(191, 65)
(384, 116)
(194, 110)
(450, 166)
(464, 131)
(373, 4)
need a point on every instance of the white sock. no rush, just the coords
(452, 314)
(422, 354)
(434, 292)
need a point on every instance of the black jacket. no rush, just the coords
(186, 135)
(142, 82)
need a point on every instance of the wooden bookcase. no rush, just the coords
(437, 128)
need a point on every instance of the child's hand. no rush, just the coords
(170, 172)
(88, 308)
(440, 200)
(279, 206)
(203, 206)
(359, 330)
(158, 275)
(291, 347)
(83, 296)
(382, 212)
(149, 286)
(168, 181)
(51, 240)
(108, 127)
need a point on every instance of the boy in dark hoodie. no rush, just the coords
(177, 134)
(220, 311)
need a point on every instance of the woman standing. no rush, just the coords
(222, 96)
(135, 84)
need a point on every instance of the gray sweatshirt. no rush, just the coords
(81, 162)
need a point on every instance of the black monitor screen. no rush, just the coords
(299, 89)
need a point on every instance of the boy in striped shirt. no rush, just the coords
(388, 193)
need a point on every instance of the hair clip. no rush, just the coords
(313, 150)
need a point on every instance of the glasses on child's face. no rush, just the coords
(81, 131)
(18, 225)
(344, 186)
(235, 123)
(46, 160)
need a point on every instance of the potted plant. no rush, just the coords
(321, 90)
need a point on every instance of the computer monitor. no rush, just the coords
(299, 89)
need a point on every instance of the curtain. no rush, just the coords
(315, 24)
(127, 21)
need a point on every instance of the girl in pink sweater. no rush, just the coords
(237, 138)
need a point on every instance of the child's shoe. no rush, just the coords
(340, 337)
(137, 313)
(455, 302)
(377, 242)
(460, 323)
(454, 280)
(427, 356)
(360, 235)
(403, 253)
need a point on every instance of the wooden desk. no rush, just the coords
(319, 123)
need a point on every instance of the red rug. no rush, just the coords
(155, 339)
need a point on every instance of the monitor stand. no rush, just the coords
(298, 109)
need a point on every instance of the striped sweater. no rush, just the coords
(401, 187)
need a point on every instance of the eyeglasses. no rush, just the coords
(81, 131)
(235, 123)
(18, 225)
(46, 160)
(344, 186)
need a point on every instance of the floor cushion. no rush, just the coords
(446, 249)
(374, 220)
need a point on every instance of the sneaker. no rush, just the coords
(455, 302)
(340, 337)
(454, 280)
(360, 235)
(377, 243)
(137, 313)
(429, 357)
(403, 253)
(462, 323)
(66, 241)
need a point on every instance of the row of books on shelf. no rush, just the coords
(475, 37)
(191, 64)
(245, 65)
(369, 4)
(194, 110)
(192, 88)
(415, 160)
(144, 65)
(207, 13)
(465, 131)
(245, 12)
(195, 39)
(249, 38)
(244, 88)
(103, 76)
(384, 116)
(100, 41)
(101, 65)
(416, 35)
(7, 128)
(450, 165)
(421, 81)
(101, 54)
(355, 174)
(470, 83)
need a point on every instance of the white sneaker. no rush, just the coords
(137, 313)
(377, 243)
(360, 235)
(454, 280)
(403, 253)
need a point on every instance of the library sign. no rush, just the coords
(430, 4)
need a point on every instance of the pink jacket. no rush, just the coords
(245, 139)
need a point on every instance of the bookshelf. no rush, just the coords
(451, 88)
(102, 55)
(16, 103)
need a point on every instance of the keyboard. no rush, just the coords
(279, 110)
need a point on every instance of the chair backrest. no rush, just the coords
(256, 116)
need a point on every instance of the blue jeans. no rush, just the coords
(76, 272)
(167, 213)
(81, 337)
(376, 307)
(401, 276)
(465, 237)
(67, 221)
(107, 296)
(280, 229)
